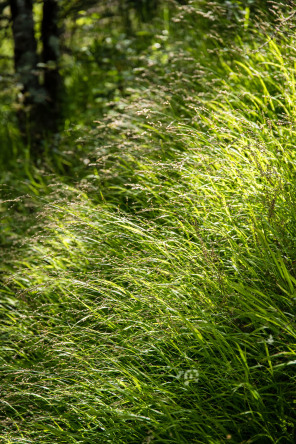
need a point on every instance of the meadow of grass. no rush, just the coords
(154, 302)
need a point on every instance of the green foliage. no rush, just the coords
(154, 301)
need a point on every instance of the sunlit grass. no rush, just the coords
(165, 313)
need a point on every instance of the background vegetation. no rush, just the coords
(148, 250)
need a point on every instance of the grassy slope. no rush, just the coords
(169, 319)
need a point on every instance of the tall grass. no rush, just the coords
(155, 303)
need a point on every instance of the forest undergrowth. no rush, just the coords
(154, 302)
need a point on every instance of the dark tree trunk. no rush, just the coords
(50, 35)
(39, 102)
(25, 60)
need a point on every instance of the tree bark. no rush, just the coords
(39, 98)
(25, 61)
(50, 35)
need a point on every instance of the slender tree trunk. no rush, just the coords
(39, 99)
(25, 61)
(50, 35)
